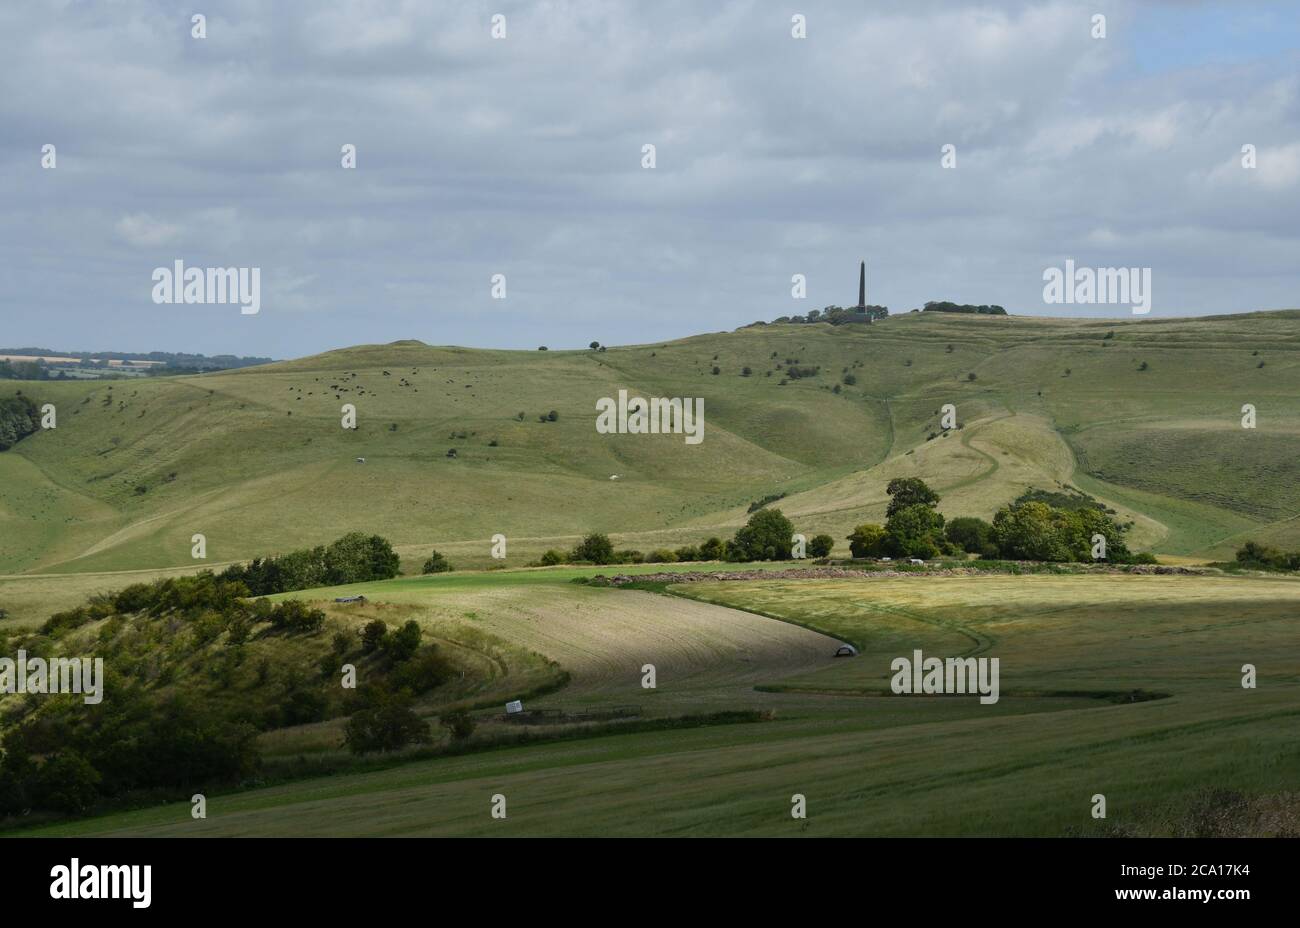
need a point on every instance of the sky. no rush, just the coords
(523, 156)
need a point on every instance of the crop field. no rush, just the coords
(869, 762)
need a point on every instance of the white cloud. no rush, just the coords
(144, 230)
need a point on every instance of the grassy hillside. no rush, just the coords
(256, 459)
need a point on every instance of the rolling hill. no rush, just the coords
(1145, 415)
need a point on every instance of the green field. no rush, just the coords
(257, 460)
(868, 764)
(1125, 685)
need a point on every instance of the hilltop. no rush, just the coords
(1145, 415)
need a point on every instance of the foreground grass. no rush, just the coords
(875, 766)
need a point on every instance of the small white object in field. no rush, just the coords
(613, 476)
(515, 705)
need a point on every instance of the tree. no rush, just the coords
(1030, 532)
(867, 540)
(436, 564)
(909, 491)
(915, 531)
(372, 635)
(821, 545)
(387, 725)
(969, 533)
(357, 557)
(19, 417)
(767, 536)
(594, 345)
(402, 644)
(66, 783)
(595, 548)
(712, 550)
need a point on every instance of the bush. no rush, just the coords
(388, 725)
(969, 533)
(402, 644)
(661, 556)
(296, 617)
(459, 723)
(595, 548)
(712, 550)
(372, 635)
(687, 553)
(553, 557)
(436, 564)
(821, 545)
(427, 670)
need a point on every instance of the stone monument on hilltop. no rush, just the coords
(862, 288)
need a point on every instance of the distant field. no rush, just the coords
(868, 764)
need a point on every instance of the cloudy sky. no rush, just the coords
(522, 156)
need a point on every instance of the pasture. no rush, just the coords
(868, 764)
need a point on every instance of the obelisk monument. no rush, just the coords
(862, 287)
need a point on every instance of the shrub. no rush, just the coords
(712, 550)
(426, 670)
(553, 557)
(687, 553)
(296, 617)
(595, 548)
(661, 556)
(403, 643)
(389, 725)
(458, 722)
(436, 564)
(969, 533)
(821, 545)
(372, 635)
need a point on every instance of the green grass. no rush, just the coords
(868, 765)
(256, 459)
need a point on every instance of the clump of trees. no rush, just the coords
(944, 306)
(354, 558)
(1028, 529)
(19, 417)
(1258, 556)
(835, 315)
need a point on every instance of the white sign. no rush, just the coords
(514, 706)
